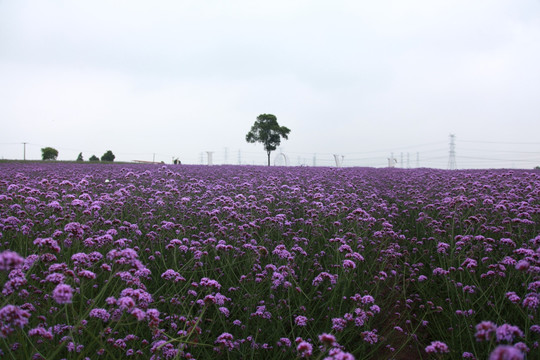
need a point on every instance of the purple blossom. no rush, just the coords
(437, 347)
(339, 324)
(370, 336)
(49, 243)
(485, 331)
(11, 317)
(328, 339)
(300, 320)
(284, 342)
(125, 303)
(262, 312)
(507, 332)
(55, 278)
(506, 352)
(523, 265)
(531, 301)
(172, 275)
(224, 311)
(10, 260)
(62, 294)
(41, 332)
(225, 340)
(100, 314)
(305, 349)
(325, 276)
(338, 354)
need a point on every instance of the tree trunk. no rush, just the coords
(268, 152)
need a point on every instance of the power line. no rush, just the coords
(500, 142)
(493, 159)
(503, 151)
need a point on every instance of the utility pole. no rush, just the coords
(452, 153)
(24, 153)
(154, 157)
(314, 160)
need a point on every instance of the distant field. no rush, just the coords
(131, 261)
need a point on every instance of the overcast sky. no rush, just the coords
(361, 79)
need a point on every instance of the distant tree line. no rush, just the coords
(49, 153)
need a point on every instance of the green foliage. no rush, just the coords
(267, 131)
(108, 156)
(80, 157)
(93, 158)
(49, 153)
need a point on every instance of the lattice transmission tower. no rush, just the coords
(452, 153)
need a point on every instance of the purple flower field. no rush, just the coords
(102, 261)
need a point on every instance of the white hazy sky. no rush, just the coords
(162, 79)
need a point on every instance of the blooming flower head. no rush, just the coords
(507, 332)
(10, 260)
(62, 294)
(442, 247)
(485, 331)
(305, 349)
(370, 336)
(300, 320)
(506, 352)
(338, 354)
(437, 347)
(225, 340)
(125, 303)
(284, 342)
(41, 332)
(100, 314)
(531, 301)
(12, 316)
(339, 324)
(522, 265)
(224, 311)
(328, 339)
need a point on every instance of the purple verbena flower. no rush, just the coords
(62, 294)
(506, 352)
(10, 260)
(12, 316)
(437, 347)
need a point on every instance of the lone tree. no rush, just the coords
(267, 131)
(80, 157)
(108, 156)
(49, 153)
(93, 158)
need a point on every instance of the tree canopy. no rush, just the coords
(93, 158)
(49, 153)
(267, 131)
(108, 156)
(80, 157)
